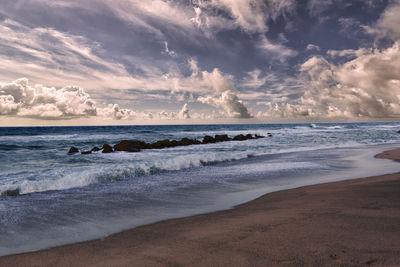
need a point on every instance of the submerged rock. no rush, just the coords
(256, 136)
(107, 149)
(11, 192)
(73, 150)
(86, 152)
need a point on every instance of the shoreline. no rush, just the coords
(308, 225)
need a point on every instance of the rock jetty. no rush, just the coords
(137, 146)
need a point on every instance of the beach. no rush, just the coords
(353, 222)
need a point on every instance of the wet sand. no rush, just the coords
(352, 223)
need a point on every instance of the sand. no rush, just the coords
(351, 223)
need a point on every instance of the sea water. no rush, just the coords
(70, 198)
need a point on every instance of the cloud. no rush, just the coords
(19, 98)
(113, 111)
(249, 15)
(168, 51)
(312, 47)
(349, 52)
(152, 15)
(184, 113)
(367, 86)
(388, 23)
(230, 103)
(317, 7)
(33, 52)
(222, 94)
(275, 50)
(254, 80)
(65, 58)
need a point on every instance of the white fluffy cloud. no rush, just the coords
(19, 98)
(388, 23)
(222, 93)
(184, 113)
(367, 86)
(230, 103)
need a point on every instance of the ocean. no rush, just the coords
(70, 198)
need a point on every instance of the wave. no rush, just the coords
(82, 177)
(133, 166)
(17, 147)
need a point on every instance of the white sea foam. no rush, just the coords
(138, 164)
(69, 173)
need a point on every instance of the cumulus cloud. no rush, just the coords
(388, 23)
(367, 86)
(184, 113)
(19, 98)
(113, 111)
(222, 94)
(230, 103)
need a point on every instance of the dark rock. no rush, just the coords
(107, 148)
(249, 136)
(11, 192)
(239, 137)
(222, 138)
(130, 146)
(398, 131)
(188, 142)
(136, 146)
(174, 143)
(73, 150)
(269, 134)
(162, 144)
(208, 139)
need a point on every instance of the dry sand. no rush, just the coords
(350, 223)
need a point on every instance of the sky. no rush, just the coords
(70, 62)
